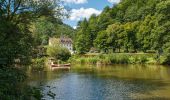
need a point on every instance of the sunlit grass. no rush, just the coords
(115, 58)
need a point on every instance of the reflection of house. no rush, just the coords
(63, 42)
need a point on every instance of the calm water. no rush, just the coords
(118, 82)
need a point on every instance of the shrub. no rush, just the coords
(59, 53)
(151, 51)
(166, 60)
(143, 59)
(92, 60)
(81, 60)
(38, 64)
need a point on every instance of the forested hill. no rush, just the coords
(130, 26)
(64, 29)
(44, 28)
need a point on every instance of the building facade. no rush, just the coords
(63, 42)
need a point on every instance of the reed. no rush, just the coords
(114, 58)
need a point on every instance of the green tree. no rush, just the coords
(15, 19)
(81, 45)
(83, 36)
(144, 34)
(130, 39)
(59, 53)
(16, 42)
(42, 30)
(104, 19)
(114, 37)
(101, 42)
(130, 26)
(93, 27)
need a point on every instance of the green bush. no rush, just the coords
(38, 64)
(59, 53)
(92, 60)
(81, 60)
(143, 59)
(166, 60)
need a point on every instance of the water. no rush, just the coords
(118, 82)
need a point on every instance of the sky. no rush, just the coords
(80, 9)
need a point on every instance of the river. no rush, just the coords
(117, 82)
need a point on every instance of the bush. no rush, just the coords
(81, 60)
(59, 53)
(143, 59)
(166, 60)
(38, 64)
(151, 51)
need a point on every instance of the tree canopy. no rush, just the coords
(130, 26)
(18, 38)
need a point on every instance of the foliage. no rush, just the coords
(38, 64)
(59, 53)
(130, 26)
(115, 58)
(43, 28)
(68, 31)
(101, 41)
(17, 42)
(15, 18)
(166, 60)
(11, 86)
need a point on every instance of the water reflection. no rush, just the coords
(118, 82)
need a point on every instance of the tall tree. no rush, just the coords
(15, 18)
(101, 42)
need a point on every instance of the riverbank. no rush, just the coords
(117, 58)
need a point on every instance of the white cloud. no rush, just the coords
(114, 1)
(78, 14)
(75, 1)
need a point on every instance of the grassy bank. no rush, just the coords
(116, 58)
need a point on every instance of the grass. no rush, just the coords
(115, 58)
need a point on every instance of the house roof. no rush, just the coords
(62, 40)
(65, 40)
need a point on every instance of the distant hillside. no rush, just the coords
(43, 28)
(63, 29)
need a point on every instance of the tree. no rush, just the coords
(93, 27)
(41, 30)
(81, 45)
(130, 26)
(104, 19)
(83, 36)
(15, 19)
(101, 41)
(144, 34)
(16, 41)
(59, 53)
(130, 39)
(114, 37)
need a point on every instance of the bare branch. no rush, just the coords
(16, 8)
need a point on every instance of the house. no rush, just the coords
(63, 42)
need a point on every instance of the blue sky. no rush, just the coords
(85, 8)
